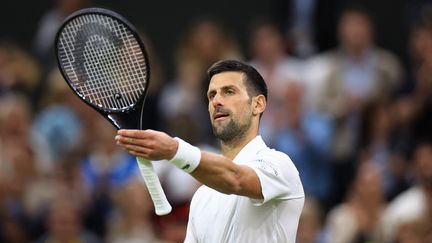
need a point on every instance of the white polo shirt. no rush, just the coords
(220, 218)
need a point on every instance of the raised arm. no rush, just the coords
(213, 170)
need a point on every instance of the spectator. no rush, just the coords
(419, 231)
(311, 223)
(359, 73)
(270, 58)
(377, 138)
(64, 223)
(205, 41)
(153, 118)
(301, 28)
(356, 219)
(415, 203)
(19, 72)
(13, 227)
(133, 222)
(411, 104)
(60, 124)
(419, 47)
(103, 169)
(48, 26)
(306, 137)
(48, 187)
(15, 121)
(423, 94)
(17, 172)
(181, 103)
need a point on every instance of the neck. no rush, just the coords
(270, 61)
(231, 148)
(357, 52)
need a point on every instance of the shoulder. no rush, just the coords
(331, 55)
(273, 155)
(412, 198)
(387, 59)
(408, 205)
(277, 161)
(339, 213)
(278, 176)
(291, 68)
(385, 54)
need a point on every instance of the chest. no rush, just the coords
(218, 217)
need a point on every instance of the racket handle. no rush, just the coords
(160, 202)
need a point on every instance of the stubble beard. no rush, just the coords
(231, 132)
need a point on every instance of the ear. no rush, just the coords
(259, 104)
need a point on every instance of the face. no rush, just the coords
(423, 162)
(368, 182)
(207, 39)
(420, 44)
(355, 31)
(230, 107)
(267, 43)
(64, 222)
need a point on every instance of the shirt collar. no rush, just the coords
(249, 151)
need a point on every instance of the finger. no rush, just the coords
(131, 140)
(137, 154)
(141, 134)
(122, 141)
(137, 149)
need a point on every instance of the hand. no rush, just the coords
(148, 144)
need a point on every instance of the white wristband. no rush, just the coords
(187, 157)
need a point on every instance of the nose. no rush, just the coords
(217, 100)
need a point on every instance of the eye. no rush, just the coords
(230, 91)
(211, 95)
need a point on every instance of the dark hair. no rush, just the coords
(352, 8)
(265, 22)
(254, 82)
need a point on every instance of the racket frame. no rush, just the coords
(121, 119)
(125, 118)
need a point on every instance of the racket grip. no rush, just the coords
(160, 202)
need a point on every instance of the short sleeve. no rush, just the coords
(278, 177)
(190, 236)
(190, 229)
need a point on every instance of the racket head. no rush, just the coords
(104, 61)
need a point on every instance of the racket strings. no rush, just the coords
(100, 70)
(108, 68)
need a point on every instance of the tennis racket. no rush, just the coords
(103, 60)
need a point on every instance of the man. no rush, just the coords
(413, 205)
(251, 193)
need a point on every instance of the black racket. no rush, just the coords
(102, 58)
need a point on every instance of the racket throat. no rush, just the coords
(130, 119)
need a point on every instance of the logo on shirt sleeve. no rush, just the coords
(266, 166)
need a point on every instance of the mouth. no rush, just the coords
(220, 116)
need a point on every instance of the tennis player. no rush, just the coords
(251, 193)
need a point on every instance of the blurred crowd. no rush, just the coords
(355, 119)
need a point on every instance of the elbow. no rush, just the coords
(230, 184)
(235, 180)
(233, 185)
(235, 188)
(231, 190)
(240, 188)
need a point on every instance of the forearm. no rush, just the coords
(215, 171)
(223, 175)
